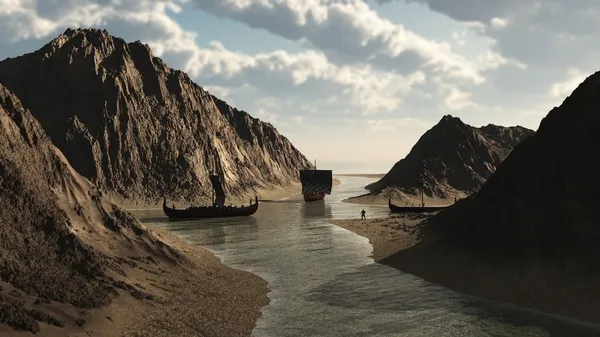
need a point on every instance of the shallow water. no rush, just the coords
(324, 283)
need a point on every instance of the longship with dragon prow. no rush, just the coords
(218, 208)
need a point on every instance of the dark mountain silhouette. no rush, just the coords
(51, 220)
(454, 158)
(531, 233)
(543, 198)
(136, 127)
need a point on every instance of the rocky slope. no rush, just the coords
(454, 158)
(50, 221)
(530, 234)
(544, 196)
(135, 127)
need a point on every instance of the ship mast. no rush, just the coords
(423, 185)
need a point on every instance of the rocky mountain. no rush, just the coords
(543, 197)
(530, 234)
(53, 231)
(454, 159)
(138, 128)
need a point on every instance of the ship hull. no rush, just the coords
(314, 197)
(408, 209)
(209, 211)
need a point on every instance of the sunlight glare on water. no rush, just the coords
(324, 283)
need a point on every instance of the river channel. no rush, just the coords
(324, 283)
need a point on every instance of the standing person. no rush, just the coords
(363, 215)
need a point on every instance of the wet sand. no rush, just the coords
(386, 235)
(532, 284)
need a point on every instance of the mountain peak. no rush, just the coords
(455, 158)
(450, 122)
(131, 124)
(450, 118)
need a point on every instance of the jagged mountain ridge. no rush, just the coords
(530, 234)
(543, 198)
(134, 126)
(50, 218)
(454, 158)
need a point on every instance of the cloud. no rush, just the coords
(308, 73)
(549, 33)
(395, 124)
(218, 91)
(347, 31)
(563, 88)
(458, 100)
(510, 61)
(498, 22)
(267, 116)
(303, 74)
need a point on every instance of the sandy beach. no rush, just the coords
(386, 235)
(199, 297)
(161, 286)
(533, 284)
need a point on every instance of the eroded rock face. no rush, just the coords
(59, 239)
(454, 158)
(543, 199)
(136, 127)
(39, 255)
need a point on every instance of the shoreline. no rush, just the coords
(232, 306)
(159, 284)
(193, 293)
(206, 296)
(533, 285)
(362, 175)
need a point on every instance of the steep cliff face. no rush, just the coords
(136, 127)
(530, 234)
(543, 199)
(50, 220)
(454, 158)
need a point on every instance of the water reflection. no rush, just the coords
(324, 283)
(317, 209)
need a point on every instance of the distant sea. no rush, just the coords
(355, 167)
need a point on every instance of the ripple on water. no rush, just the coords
(324, 283)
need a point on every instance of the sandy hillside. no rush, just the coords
(72, 262)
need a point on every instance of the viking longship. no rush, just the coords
(217, 210)
(415, 209)
(316, 183)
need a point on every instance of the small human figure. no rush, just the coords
(363, 215)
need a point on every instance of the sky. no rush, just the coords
(352, 83)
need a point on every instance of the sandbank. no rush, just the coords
(536, 284)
